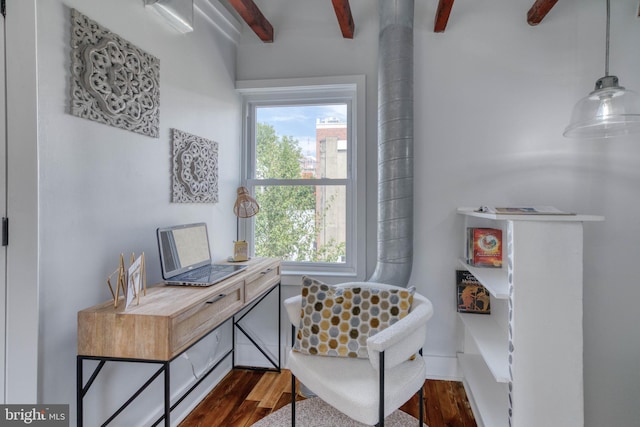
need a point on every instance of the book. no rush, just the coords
(484, 247)
(472, 297)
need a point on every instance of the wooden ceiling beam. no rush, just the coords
(345, 18)
(254, 18)
(442, 15)
(539, 10)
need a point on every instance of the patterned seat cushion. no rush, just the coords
(336, 321)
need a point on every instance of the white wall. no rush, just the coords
(492, 97)
(103, 191)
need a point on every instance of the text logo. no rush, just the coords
(34, 415)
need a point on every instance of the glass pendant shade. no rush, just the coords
(610, 110)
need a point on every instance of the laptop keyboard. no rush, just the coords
(205, 276)
(201, 273)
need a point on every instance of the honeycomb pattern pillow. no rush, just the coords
(337, 321)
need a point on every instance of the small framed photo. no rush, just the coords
(135, 279)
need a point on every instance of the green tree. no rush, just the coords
(287, 224)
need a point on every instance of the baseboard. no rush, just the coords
(248, 355)
(443, 368)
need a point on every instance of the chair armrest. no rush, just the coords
(293, 306)
(403, 339)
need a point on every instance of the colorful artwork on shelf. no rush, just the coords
(472, 297)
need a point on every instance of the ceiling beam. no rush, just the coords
(442, 15)
(345, 19)
(254, 18)
(539, 10)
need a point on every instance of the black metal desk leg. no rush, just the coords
(167, 395)
(79, 385)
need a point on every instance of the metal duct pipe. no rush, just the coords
(395, 143)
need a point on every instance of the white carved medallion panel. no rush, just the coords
(113, 81)
(195, 169)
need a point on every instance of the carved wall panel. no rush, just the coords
(113, 81)
(195, 169)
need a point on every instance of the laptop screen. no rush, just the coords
(183, 248)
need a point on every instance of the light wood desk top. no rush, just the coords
(169, 319)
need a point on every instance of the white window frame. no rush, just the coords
(340, 89)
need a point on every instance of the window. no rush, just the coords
(301, 165)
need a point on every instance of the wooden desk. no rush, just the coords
(168, 321)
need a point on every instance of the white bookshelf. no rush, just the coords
(488, 397)
(491, 342)
(494, 279)
(522, 364)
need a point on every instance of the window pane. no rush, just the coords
(301, 223)
(302, 141)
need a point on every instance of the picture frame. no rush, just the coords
(136, 280)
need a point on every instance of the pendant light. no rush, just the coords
(610, 110)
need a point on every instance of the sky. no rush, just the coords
(299, 121)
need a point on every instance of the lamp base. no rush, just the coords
(240, 250)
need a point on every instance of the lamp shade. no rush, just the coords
(610, 110)
(245, 205)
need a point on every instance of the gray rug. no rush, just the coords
(315, 412)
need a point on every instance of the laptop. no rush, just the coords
(185, 257)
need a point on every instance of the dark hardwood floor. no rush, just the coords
(245, 396)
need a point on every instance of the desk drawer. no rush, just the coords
(257, 283)
(206, 315)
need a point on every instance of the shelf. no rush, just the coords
(546, 260)
(523, 217)
(492, 343)
(488, 398)
(494, 279)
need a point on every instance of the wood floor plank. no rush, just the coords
(285, 399)
(448, 406)
(281, 383)
(241, 416)
(432, 405)
(257, 415)
(263, 386)
(228, 394)
(199, 416)
(464, 407)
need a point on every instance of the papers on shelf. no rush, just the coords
(523, 210)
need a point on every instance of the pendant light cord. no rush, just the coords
(606, 59)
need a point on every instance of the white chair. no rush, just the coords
(353, 385)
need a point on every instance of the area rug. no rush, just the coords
(315, 412)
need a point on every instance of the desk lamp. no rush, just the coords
(244, 207)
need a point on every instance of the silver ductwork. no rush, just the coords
(395, 143)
